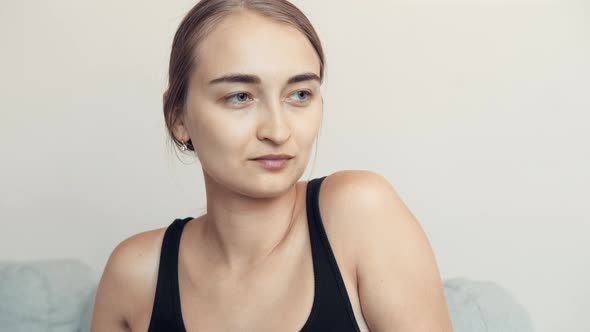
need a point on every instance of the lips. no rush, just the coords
(275, 157)
(273, 164)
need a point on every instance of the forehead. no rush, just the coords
(248, 43)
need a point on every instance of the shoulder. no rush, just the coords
(364, 186)
(356, 193)
(136, 255)
(364, 210)
(130, 275)
(365, 206)
(358, 205)
(397, 274)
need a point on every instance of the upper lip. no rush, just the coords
(274, 156)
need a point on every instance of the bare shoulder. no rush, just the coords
(350, 201)
(356, 192)
(136, 258)
(363, 209)
(399, 282)
(363, 185)
(128, 280)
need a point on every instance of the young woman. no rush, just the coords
(336, 253)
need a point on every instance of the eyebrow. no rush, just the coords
(253, 79)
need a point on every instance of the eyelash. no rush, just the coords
(228, 98)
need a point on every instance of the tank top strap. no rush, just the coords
(331, 310)
(166, 310)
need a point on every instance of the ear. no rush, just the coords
(181, 133)
(179, 129)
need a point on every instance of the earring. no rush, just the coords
(183, 147)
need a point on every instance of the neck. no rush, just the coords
(242, 231)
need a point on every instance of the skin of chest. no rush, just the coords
(277, 295)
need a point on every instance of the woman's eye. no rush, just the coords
(242, 97)
(238, 98)
(302, 95)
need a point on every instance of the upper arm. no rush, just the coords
(399, 285)
(121, 285)
(109, 306)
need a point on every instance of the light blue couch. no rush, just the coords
(58, 296)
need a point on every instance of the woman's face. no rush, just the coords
(230, 122)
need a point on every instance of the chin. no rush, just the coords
(253, 180)
(269, 185)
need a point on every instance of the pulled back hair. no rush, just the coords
(197, 23)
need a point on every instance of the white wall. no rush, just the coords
(476, 111)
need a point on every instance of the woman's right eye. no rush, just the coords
(238, 98)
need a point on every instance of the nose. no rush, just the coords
(274, 124)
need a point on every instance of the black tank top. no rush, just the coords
(331, 309)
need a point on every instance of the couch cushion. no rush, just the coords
(484, 306)
(43, 295)
(87, 311)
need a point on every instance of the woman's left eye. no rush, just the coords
(303, 94)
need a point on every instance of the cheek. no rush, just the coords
(220, 135)
(306, 128)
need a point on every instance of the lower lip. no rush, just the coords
(273, 164)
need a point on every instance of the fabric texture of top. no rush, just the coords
(331, 309)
